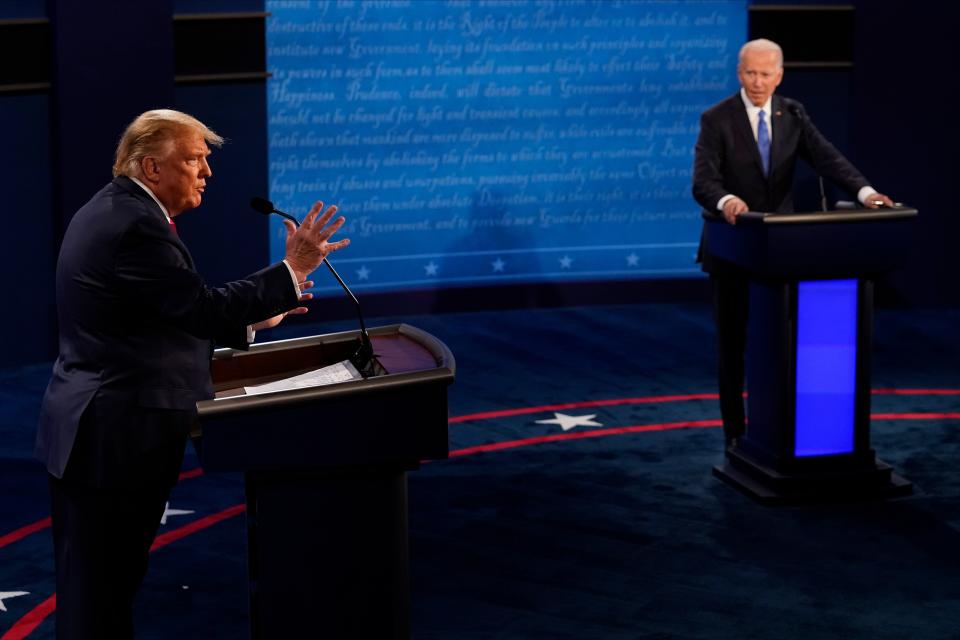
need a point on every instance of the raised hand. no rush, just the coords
(308, 245)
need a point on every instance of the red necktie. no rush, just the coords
(173, 227)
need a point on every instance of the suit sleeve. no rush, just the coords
(825, 159)
(708, 160)
(153, 277)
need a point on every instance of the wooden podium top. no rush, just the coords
(398, 349)
(398, 417)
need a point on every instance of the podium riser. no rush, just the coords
(808, 371)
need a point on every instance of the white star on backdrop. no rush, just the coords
(632, 260)
(498, 265)
(565, 262)
(569, 422)
(167, 511)
(4, 595)
(363, 273)
(431, 268)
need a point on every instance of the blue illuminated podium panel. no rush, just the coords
(808, 350)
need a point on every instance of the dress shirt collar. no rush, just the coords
(159, 204)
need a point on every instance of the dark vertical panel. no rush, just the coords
(28, 330)
(905, 138)
(827, 97)
(226, 237)
(27, 256)
(112, 60)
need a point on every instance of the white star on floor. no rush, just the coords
(363, 273)
(569, 422)
(167, 511)
(431, 268)
(498, 265)
(632, 260)
(10, 594)
(565, 262)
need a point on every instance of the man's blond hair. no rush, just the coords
(152, 134)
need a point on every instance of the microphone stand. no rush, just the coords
(363, 358)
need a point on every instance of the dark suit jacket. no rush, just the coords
(137, 327)
(727, 160)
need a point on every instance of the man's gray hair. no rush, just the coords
(152, 134)
(762, 45)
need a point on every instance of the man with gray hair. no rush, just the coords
(137, 329)
(745, 158)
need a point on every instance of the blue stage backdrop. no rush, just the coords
(474, 142)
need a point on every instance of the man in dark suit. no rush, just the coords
(137, 329)
(745, 158)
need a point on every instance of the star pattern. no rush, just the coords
(569, 422)
(633, 259)
(565, 262)
(363, 273)
(6, 595)
(167, 511)
(431, 268)
(498, 265)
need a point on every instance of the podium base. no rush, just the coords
(769, 486)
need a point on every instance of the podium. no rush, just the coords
(808, 351)
(325, 476)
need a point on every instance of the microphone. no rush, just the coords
(266, 208)
(363, 359)
(823, 194)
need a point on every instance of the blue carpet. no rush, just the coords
(622, 536)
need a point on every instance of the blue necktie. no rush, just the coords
(763, 142)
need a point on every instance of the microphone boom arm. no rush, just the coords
(363, 359)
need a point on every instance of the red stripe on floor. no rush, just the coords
(915, 416)
(26, 625)
(40, 525)
(916, 392)
(190, 473)
(23, 532)
(164, 539)
(596, 433)
(505, 413)
(29, 622)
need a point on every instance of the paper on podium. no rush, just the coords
(332, 374)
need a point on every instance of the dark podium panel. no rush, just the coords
(325, 471)
(808, 350)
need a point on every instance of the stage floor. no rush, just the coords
(578, 501)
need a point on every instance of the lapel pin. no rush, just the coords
(779, 113)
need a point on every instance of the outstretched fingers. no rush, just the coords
(311, 218)
(336, 246)
(331, 228)
(316, 220)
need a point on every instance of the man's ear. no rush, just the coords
(150, 169)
